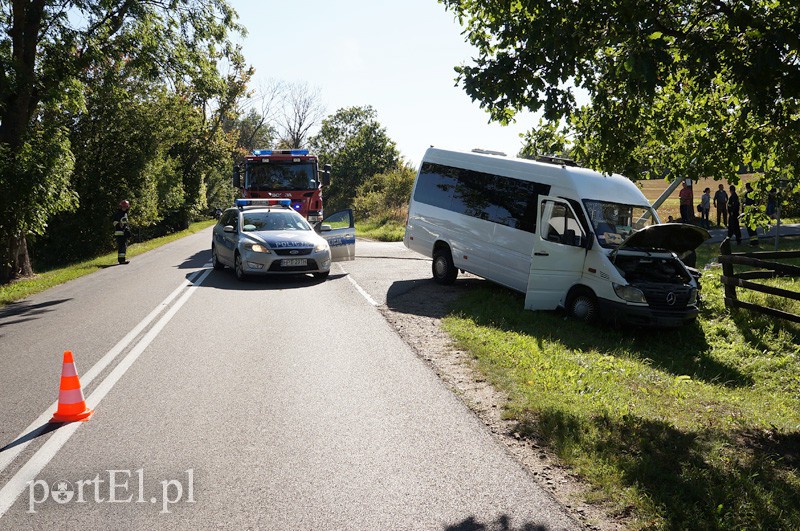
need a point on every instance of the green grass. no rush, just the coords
(694, 428)
(26, 287)
(390, 230)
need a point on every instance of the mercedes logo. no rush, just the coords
(670, 298)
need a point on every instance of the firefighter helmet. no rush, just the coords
(124, 204)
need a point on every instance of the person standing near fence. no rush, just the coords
(705, 207)
(733, 216)
(721, 204)
(685, 197)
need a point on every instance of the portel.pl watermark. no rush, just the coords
(113, 486)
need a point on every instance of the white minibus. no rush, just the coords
(564, 236)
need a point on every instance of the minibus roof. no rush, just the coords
(567, 181)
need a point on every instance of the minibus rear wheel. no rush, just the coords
(583, 306)
(444, 272)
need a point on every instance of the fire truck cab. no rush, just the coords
(284, 174)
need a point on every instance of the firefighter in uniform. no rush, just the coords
(122, 231)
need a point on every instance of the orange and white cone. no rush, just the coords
(71, 404)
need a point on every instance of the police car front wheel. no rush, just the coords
(238, 267)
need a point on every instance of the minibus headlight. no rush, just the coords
(629, 293)
(693, 297)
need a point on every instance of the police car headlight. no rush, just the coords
(256, 248)
(629, 293)
(323, 246)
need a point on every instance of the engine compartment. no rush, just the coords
(641, 269)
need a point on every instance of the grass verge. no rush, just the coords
(691, 428)
(385, 230)
(26, 287)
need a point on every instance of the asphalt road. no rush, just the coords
(282, 403)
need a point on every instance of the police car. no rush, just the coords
(267, 236)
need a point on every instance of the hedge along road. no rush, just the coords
(276, 403)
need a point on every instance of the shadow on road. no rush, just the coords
(26, 310)
(225, 279)
(197, 260)
(424, 297)
(33, 434)
(501, 524)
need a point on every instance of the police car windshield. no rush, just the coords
(273, 220)
(613, 222)
(281, 176)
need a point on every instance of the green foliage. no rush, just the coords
(131, 95)
(357, 147)
(385, 195)
(36, 175)
(546, 139)
(693, 89)
(253, 131)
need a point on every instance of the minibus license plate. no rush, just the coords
(294, 262)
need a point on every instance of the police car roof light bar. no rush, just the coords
(241, 203)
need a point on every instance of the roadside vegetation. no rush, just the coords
(381, 204)
(690, 428)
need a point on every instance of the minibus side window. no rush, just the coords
(495, 198)
(560, 225)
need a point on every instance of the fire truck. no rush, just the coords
(284, 174)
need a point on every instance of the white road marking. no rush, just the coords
(11, 491)
(359, 288)
(9, 455)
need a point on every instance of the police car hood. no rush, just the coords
(675, 237)
(285, 239)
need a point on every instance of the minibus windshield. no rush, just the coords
(613, 222)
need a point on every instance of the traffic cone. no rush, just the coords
(71, 404)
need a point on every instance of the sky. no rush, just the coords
(397, 56)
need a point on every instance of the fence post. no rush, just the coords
(727, 273)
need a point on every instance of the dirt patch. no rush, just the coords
(416, 315)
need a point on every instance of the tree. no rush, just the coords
(546, 140)
(691, 88)
(354, 143)
(256, 122)
(50, 52)
(302, 110)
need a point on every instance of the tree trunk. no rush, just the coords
(17, 263)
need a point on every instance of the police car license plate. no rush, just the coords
(294, 262)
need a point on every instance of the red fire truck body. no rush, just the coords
(284, 174)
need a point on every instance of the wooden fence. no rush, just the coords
(767, 269)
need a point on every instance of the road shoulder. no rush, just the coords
(416, 315)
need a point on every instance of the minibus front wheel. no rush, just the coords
(444, 272)
(583, 306)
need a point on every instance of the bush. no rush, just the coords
(385, 196)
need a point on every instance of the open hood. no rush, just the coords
(676, 237)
